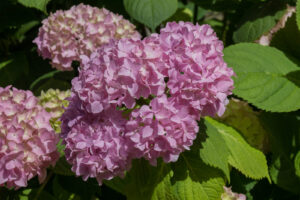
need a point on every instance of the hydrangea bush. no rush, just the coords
(180, 81)
(149, 100)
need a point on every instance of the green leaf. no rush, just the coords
(252, 30)
(141, 180)
(201, 12)
(263, 77)
(182, 14)
(5, 63)
(193, 180)
(60, 148)
(297, 164)
(242, 184)
(248, 160)
(43, 77)
(37, 4)
(283, 174)
(284, 132)
(163, 189)
(24, 194)
(14, 15)
(287, 38)
(150, 12)
(214, 152)
(298, 13)
(188, 178)
(14, 70)
(54, 79)
(258, 21)
(20, 34)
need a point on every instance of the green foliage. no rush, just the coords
(263, 77)
(297, 164)
(196, 181)
(245, 120)
(194, 176)
(298, 13)
(150, 12)
(24, 28)
(214, 152)
(257, 21)
(141, 181)
(284, 138)
(37, 4)
(13, 69)
(233, 150)
(54, 79)
(4, 63)
(287, 39)
(182, 14)
(188, 179)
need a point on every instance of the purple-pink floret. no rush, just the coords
(27, 141)
(66, 35)
(142, 99)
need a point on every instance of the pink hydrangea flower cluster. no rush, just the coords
(95, 147)
(65, 35)
(162, 129)
(146, 96)
(27, 141)
(197, 73)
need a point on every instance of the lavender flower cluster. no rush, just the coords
(142, 98)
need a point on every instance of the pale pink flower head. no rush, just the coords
(197, 73)
(66, 35)
(27, 141)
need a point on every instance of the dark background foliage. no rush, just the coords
(234, 21)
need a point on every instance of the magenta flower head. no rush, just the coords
(65, 35)
(142, 98)
(27, 141)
